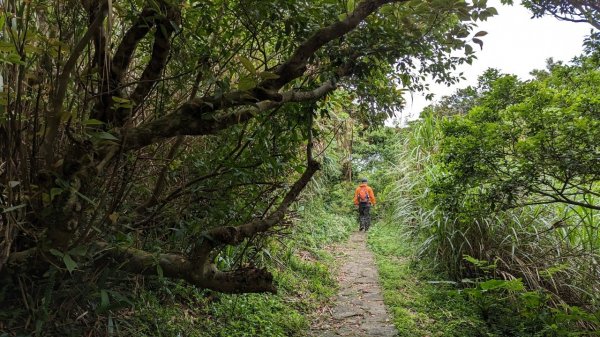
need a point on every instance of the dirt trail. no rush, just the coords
(358, 309)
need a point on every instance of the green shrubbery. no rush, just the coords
(504, 200)
(302, 271)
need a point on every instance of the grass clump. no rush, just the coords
(420, 305)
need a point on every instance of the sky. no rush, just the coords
(515, 44)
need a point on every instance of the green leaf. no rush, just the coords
(492, 11)
(248, 65)
(120, 99)
(69, 263)
(491, 284)
(481, 33)
(104, 135)
(246, 83)
(513, 285)
(120, 102)
(104, 301)
(79, 250)
(266, 75)
(54, 192)
(468, 49)
(350, 6)
(55, 252)
(92, 121)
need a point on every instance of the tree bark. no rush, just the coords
(192, 117)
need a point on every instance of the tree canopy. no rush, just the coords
(530, 142)
(569, 10)
(146, 137)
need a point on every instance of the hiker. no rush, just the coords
(363, 199)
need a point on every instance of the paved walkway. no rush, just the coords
(358, 309)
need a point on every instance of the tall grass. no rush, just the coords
(550, 248)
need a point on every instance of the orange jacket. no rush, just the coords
(369, 190)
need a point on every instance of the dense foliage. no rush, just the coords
(150, 153)
(499, 183)
(529, 142)
(144, 140)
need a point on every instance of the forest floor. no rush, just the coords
(358, 309)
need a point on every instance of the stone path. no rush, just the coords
(358, 309)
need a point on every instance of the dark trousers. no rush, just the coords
(364, 215)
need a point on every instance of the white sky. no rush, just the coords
(515, 44)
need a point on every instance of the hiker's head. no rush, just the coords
(363, 181)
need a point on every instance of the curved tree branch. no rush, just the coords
(296, 64)
(124, 53)
(194, 117)
(191, 119)
(120, 62)
(197, 268)
(158, 59)
(245, 280)
(148, 18)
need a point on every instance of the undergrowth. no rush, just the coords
(302, 270)
(419, 303)
(424, 303)
(529, 271)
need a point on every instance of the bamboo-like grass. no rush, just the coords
(551, 247)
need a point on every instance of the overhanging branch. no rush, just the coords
(197, 117)
(158, 59)
(132, 37)
(191, 119)
(198, 268)
(295, 66)
(234, 235)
